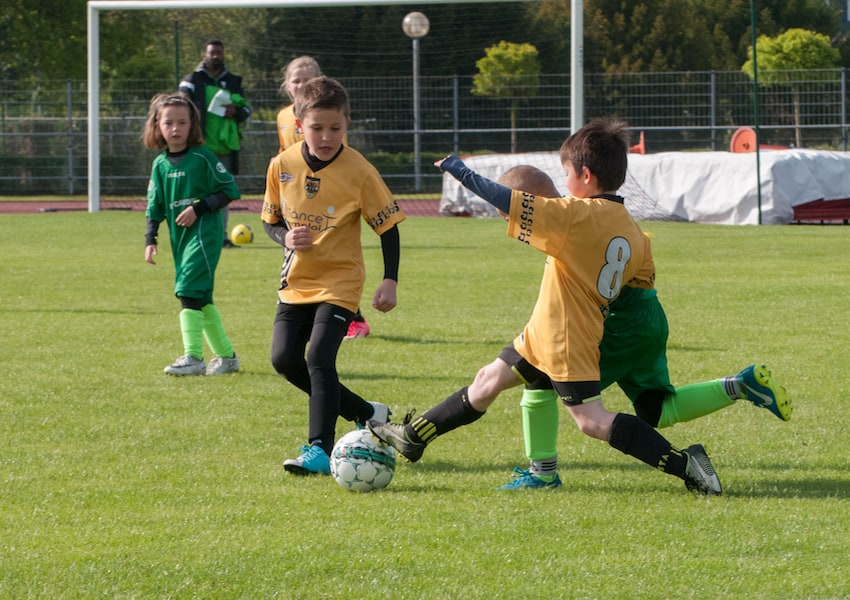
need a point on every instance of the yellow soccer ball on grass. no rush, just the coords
(241, 234)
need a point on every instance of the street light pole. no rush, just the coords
(416, 26)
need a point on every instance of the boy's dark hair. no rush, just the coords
(603, 147)
(218, 43)
(321, 92)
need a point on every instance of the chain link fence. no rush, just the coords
(43, 148)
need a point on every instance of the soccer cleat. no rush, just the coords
(221, 365)
(357, 329)
(758, 387)
(528, 480)
(381, 415)
(396, 436)
(186, 365)
(699, 474)
(313, 461)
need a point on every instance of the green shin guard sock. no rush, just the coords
(693, 401)
(540, 423)
(214, 332)
(192, 328)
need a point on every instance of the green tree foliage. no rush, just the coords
(132, 56)
(368, 40)
(46, 39)
(651, 35)
(38, 39)
(731, 19)
(509, 71)
(780, 60)
(669, 35)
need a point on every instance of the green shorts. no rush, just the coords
(633, 351)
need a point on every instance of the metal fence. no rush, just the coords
(43, 147)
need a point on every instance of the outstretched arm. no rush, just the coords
(494, 193)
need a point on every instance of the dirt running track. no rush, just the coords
(413, 208)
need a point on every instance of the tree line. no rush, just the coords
(46, 39)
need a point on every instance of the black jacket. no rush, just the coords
(195, 86)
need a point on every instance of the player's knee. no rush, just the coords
(592, 428)
(287, 364)
(489, 382)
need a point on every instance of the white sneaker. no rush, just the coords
(186, 365)
(382, 413)
(221, 365)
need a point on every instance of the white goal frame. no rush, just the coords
(93, 49)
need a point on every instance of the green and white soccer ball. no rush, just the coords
(362, 463)
(241, 234)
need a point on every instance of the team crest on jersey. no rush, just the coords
(284, 177)
(220, 168)
(311, 186)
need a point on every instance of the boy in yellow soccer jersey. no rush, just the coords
(317, 193)
(297, 72)
(594, 248)
(633, 354)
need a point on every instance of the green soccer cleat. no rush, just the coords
(528, 480)
(758, 387)
(699, 473)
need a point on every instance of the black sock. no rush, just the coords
(453, 412)
(637, 438)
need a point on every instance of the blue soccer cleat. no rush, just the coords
(528, 480)
(758, 387)
(313, 461)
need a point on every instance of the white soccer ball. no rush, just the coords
(241, 234)
(361, 463)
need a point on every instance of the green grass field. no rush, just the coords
(120, 482)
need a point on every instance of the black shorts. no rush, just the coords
(572, 393)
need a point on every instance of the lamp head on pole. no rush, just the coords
(415, 25)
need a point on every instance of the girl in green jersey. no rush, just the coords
(188, 187)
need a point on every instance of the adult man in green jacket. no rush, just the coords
(220, 99)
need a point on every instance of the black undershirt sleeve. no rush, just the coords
(211, 203)
(276, 231)
(151, 232)
(391, 249)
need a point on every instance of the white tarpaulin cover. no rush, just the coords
(702, 187)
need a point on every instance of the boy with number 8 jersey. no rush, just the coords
(633, 354)
(594, 249)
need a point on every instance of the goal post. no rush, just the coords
(94, 7)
